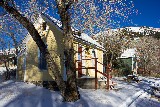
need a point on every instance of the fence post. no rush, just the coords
(108, 76)
(95, 73)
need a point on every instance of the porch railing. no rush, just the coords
(107, 74)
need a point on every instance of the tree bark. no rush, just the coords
(7, 75)
(72, 93)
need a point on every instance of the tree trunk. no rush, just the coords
(7, 75)
(111, 61)
(72, 93)
(16, 47)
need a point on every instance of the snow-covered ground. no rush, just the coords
(3, 70)
(19, 94)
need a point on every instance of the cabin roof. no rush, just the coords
(83, 38)
(128, 53)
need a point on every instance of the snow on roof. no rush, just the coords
(83, 36)
(87, 38)
(58, 25)
(36, 24)
(52, 20)
(128, 53)
(8, 51)
(57, 22)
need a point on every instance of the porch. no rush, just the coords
(85, 81)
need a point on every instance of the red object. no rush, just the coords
(80, 62)
(110, 76)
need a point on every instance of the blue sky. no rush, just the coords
(150, 13)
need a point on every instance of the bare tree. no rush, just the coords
(115, 42)
(98, 18)
(148, 51)
(4, 57)
(13, 30)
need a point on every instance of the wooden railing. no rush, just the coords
(96, 71)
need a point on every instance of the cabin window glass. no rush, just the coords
(42, 64)
(65, 69)
(24, 63)
(93, 53)
(93, 56)
(44, 25)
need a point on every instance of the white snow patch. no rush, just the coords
(128, 53)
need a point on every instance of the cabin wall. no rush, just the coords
(53, 38)
(54, 41)
(100, 59)
(20, 68)
(89, 62)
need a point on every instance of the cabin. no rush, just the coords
(32, 65)
(129, 58)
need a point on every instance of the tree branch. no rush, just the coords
(25, 22)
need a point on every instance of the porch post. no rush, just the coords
(108, 76)
(95, 73)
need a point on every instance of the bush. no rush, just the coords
(122, 68)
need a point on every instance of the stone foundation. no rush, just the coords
(89, 83)
(84, 83)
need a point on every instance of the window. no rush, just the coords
(42, 64)
(44, 25)
(24, 63)
(93, 53)
(93, 56)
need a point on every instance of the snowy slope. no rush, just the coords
(109, 32)
(141, 29)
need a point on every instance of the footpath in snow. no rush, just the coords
(19, 94)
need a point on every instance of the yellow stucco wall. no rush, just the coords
(53, 37)
(20, 70)
(91, 61)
